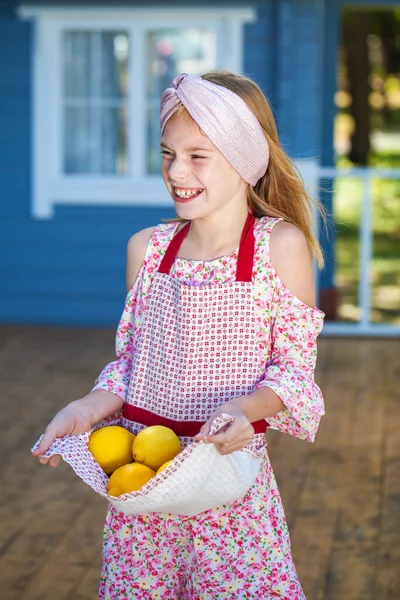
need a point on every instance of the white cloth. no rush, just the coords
(198, 479)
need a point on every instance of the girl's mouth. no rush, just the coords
(186, 194)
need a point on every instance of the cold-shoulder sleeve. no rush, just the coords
(290, 369)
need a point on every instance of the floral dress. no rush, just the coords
(241, 550)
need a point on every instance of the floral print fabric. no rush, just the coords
(240, 551)
(288, 328)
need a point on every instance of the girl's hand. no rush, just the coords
(233, 436)
(73, 419)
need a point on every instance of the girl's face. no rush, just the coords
(198, 177)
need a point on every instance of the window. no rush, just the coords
(94, 101)
(98, 77)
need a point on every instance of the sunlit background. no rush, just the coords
(367, 132)
(81, 116)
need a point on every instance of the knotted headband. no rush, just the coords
(225, 118)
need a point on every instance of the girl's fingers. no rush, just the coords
(45, 443)
(55, 460)
(204, 429)
(227, 449)
(224, 449)
(225, 436)
(235, 438)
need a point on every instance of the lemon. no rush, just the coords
(111, 446)
(129, 478)
(164, 466)
(155, 445)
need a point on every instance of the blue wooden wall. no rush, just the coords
(71, 268)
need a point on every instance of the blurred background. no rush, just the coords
(79, 174)
(79, 150)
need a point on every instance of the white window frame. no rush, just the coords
(50, 186)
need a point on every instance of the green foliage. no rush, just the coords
(385, 265)
(385, 273)
(385, 197)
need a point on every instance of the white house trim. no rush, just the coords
(245, 14)
(50, 185)
(365, 326)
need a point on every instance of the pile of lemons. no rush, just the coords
(132, 460)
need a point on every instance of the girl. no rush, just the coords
(219, 318)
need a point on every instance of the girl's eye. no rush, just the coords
(168, 154)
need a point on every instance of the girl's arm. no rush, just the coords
(136, 252)
(292, 261)
(287, 397)
(77, 417)
(108, 395)
(296, 325)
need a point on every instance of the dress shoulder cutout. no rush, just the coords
(284, 298)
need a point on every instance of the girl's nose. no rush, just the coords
(178, 169)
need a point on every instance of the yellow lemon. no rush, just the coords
(111, 446)
(164, 466)
(129, 478)
(155, 445)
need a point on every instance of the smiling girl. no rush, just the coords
(219, 318)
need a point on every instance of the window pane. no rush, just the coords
(114, 131)
(171, 52)
(153, 141)
(89, 128)
(94, 98)
(114, 60)
(77, 64)
(77, 155)
(385, 259)
(347, 202)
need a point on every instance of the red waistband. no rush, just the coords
(181, 428)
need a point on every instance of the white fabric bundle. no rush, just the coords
(198, 479)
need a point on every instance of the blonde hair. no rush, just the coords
(280, 192)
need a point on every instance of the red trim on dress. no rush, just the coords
(181, 428)
(244, 269)
(244, 272)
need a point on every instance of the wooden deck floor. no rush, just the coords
(341, 495)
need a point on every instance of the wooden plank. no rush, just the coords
(72, 558)
(290, 457)
(89, 586)
(318, 504)
(38, 520)
(38, 505)
(290, 461)
(352, 569)
(341, 495)
(387, 585)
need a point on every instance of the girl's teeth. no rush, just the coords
(186, 194)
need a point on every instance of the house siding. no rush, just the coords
(299, 76)
(71, 268)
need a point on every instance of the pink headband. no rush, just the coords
(225, 118)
